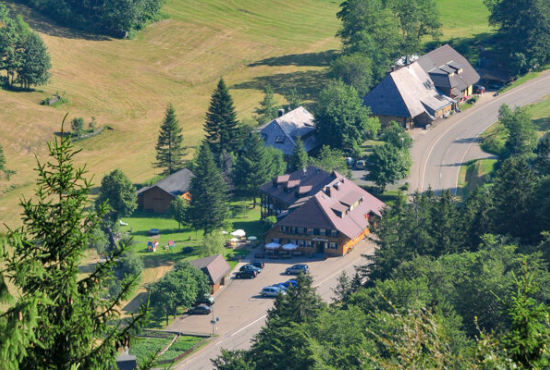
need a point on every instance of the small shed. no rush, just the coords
(215, 267)
(126, 362)
(157, 198)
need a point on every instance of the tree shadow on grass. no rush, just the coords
(133, 305)
(43, 24)
(543, 124)
(307, 83)
(321, 59)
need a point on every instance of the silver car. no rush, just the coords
(271, 291)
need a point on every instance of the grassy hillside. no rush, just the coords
(128, 83)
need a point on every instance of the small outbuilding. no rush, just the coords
(215, 267)
(157, 198)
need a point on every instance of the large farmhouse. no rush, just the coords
(282, 132)
(330, 214)
(157, 198)
(423, 91)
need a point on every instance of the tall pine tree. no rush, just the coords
(252, 168)
(299, 158)
(61, 320)
(36, 62)
(268, 107)
(169, 146)
(208, 208)
(221, 124)
(7, 172)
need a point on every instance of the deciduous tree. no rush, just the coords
(178, 211)
(387, 164)
(117, 189)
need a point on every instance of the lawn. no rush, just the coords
(147, 347)
(127, 84)
(540, 113)
(474, 173)
(182, 344)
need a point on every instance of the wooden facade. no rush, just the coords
(155, 200)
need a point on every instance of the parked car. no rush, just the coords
(361, 164)
(153, 232)
(250, 267)
(280, 285)
(350, 162)
(207, 299)
(479, 89)
(202, 309)
(290, 282)
(258, 264)
(297, 269)
(271, 291)
(246, 274)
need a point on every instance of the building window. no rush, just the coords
(309, 244)
(332, 246)
(300, 243)
(323, 232)
(334, 232)
(300, 230)
(309, 231)
(279, 139)
(283, 229)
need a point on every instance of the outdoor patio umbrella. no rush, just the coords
(272, 246)
(239, 233)
(233, 240)
(252, 238)
(290, 247)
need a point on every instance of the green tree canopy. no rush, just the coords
(521, 133)
(341, 119)
(178, 211)
(354, 70)
(7, 172)
(299, 158)
(221, 124)
(268, 107)
(396, 135)
(212, 244)
(117, 189)
(208, 209)
(61, 319)
(252, 168)
(387, 164)
(331, 160)
(169, 147)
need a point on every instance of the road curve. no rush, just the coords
(438, 153)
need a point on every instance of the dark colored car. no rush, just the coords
(258, 264)
(479, 89)
(201, 309)
(290, 282)
(207, 299)
(250, 267)
(246, 274)
(297, 269)
(153, 232)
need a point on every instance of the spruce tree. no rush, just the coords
(7, 172)
(221, 126)
(60, 320)
(252, 168)
(208, 208)
(169, 145)
(299, 157)
(268, 107)
(36, 62)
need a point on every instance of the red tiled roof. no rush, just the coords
(323, 210)
(311, 176)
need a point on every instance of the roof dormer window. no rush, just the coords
(280, 139)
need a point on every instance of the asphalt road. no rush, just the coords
(242, 311)
(439, 152)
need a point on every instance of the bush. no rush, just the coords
(472, 100)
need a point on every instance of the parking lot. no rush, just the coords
(240, 307)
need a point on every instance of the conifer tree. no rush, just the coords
(169, 146)
(221, 126)
(36, 62)
(268, 107)
(7, 172)
(208, 208)
(252, 168)
(60, 320)
(299, 158)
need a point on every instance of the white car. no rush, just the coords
(271, 291)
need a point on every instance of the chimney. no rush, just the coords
(281, 112)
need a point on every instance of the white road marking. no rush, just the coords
(252, 323)
(218, 342)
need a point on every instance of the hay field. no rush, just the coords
(128, 83)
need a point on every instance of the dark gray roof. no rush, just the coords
(282, 132)
(443, 65)
(175, 184)
(215, 267)
(405, 92)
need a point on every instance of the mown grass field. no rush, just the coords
(128, 83)
(475, 173)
